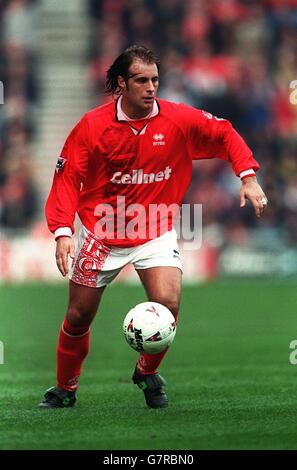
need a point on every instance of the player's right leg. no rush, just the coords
(73, 344)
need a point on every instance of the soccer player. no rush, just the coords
(133, 152)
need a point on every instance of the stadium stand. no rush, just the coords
(235, 59)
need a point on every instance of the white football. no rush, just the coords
(149, 327)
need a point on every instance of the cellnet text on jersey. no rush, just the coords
(138, 176)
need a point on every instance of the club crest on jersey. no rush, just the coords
(158, 139)
(60, 164)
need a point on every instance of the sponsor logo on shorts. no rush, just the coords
(88, 265)
(176, 254)
(89, 262)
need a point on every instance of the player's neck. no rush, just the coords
(134, 113)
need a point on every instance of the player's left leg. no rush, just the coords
(162, 285)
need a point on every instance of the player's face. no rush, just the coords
(140, 90)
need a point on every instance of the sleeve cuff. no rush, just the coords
(63, 232)
(249, 172)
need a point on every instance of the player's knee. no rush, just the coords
(79, 316)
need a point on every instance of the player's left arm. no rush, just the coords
(212, 137)
(252, 191)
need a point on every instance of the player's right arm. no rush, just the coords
(63, 198)
(64, 248)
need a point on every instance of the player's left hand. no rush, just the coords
(252, 191)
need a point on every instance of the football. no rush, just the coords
(149, 327)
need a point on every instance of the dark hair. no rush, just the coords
(122, 63)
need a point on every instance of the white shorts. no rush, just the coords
(96, 265)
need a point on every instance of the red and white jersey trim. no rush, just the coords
(123, 117)
(63, 232)
(249, 172)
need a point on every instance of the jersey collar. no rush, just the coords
(121, 116)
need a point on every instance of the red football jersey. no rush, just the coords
(109, 164)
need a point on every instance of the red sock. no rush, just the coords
(149, 363)
(73, 347)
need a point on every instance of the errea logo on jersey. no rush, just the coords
(139, 177)
(158, 139)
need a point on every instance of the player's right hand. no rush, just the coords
(65, 247)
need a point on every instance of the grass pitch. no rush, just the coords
(230, 382)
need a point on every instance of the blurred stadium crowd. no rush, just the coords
(18, 196)
(233, 58)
